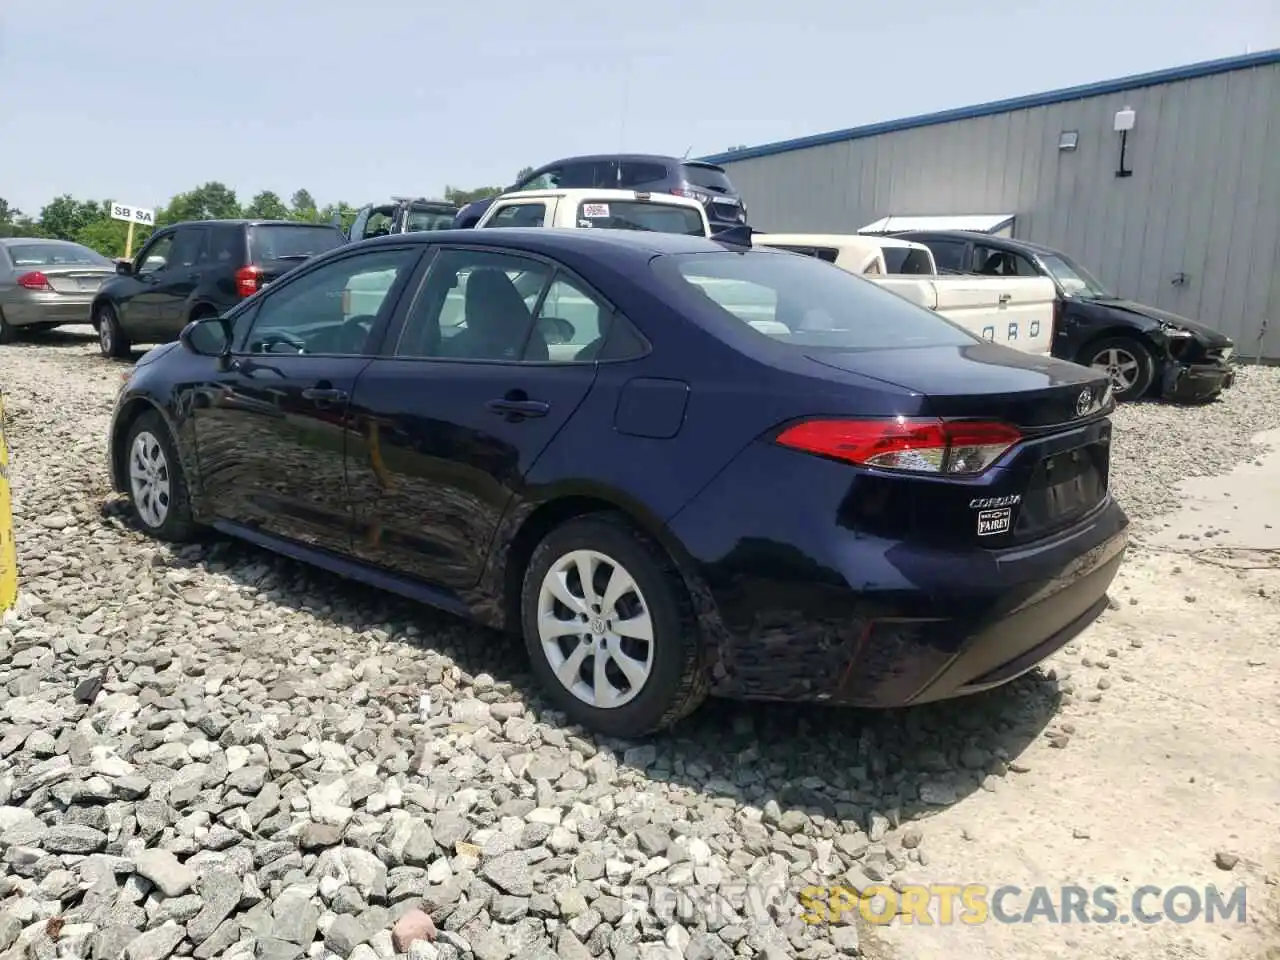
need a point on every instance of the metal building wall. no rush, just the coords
(1203, 200)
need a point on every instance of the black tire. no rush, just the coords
(677, 682)
(8, 332)
(111, 336)
(1126, 383)
(176, 525)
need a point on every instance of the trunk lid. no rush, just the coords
(984, 380)
(1056, 476)
(77, 280)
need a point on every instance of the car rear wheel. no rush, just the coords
(610, 630)
(157, 487)
(8, 332)
(111, 338)
(1128, 362)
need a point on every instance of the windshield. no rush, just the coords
(55, 255)
(1074, 280)
(642, 215)
(804, 302)
(419, 220)
(283, 242)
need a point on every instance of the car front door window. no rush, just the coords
(187, 247)
(475, 305)
(332, 309)
(155, 257)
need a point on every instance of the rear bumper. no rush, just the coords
(49, 308)
(1190, 383)
(798, 612)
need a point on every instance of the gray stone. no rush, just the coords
(74, 838)
(344, 935)
(155, 944)
(162, 868)
(509, 873)
(221, 894)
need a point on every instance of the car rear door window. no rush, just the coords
(330, 310)
(907, 260)
(519, 215)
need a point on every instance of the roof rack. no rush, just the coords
(421, 200)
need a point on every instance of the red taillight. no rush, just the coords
(956, 448)
(35, 280)
(248, 281)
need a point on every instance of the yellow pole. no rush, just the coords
(8, 550)
(128, 242)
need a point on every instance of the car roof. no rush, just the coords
(970, 236)
(635, 158)
(856, 241)
(9, 241)
(248, 222)
(601, 193)
(552, 240)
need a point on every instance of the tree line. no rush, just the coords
(89, 221)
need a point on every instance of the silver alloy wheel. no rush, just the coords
(149, 479)
(1120, 365)
(104, 331)
(595, 628)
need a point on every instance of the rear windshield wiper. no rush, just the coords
(294, 256)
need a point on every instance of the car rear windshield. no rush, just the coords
(807, 303)
(419, 220)
(55, 255)
(712, 178)
(642, 215)
(907, 260)
(283, 242)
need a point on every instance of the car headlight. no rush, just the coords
(1169, 330)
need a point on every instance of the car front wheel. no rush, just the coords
(610, 630)
(111, 337)
(1128, 363)
(157, 486)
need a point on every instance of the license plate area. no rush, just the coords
(1064, 487)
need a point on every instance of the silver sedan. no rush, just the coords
(46, 283)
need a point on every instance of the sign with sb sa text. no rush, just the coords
(130, 214)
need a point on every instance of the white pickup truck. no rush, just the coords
(1014, 311)
(601, 209)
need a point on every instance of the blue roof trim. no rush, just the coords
(1192, 71)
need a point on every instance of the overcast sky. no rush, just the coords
(360, 100)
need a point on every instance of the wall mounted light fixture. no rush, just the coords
(1124, 122)
(1068, 139)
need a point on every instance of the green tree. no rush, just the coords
(460, 197)
(13, 222)
(345, 213)
(65, 216)
(209, 201)
(302, 206)
(267, 206)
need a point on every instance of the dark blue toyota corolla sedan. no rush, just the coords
(675, 467)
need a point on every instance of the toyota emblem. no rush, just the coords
(1083, 402)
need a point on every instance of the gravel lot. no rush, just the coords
(282, 764)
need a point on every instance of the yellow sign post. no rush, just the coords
(8, 550)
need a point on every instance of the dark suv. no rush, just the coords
(198, 269)
(401, 215)
(704, 182)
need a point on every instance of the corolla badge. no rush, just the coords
(1084, 401)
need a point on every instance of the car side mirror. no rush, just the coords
(207, 337)
(124, 268)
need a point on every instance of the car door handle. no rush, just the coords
(518, 408)
(324, 393)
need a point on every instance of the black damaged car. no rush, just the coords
(1142, 349)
